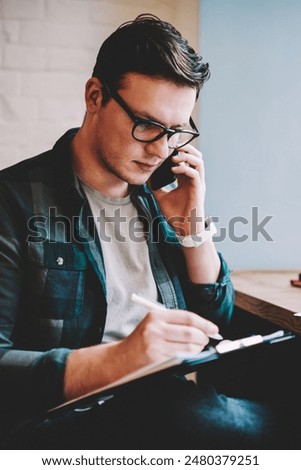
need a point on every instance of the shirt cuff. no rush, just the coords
(210, 291)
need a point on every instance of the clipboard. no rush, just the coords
(180, 364)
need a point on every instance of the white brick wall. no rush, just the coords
(47, 53)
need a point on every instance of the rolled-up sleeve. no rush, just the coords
(31, 381)
(214, 301)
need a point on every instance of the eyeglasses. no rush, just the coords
(146, 130)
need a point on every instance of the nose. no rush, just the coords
(159, 148)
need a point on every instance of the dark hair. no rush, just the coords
(149, 46)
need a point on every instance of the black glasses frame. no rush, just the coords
(142, 121)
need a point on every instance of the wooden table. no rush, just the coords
(269, 295)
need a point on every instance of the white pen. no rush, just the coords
(151, 305)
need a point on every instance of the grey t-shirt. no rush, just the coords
(126, 260)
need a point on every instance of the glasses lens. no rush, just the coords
(180, 139)
(174, 140)
(147, 131)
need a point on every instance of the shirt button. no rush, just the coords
(60, 261)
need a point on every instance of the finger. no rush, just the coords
(183, 334)
(194, 161)
(182, 152)
(184, 317)
(186, 170)
(190, 149)
(171, 349)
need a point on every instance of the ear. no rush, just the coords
(93, 94)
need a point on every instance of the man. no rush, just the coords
(72, 252)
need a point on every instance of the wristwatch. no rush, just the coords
(193, 241)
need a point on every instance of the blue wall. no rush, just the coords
(250, 124)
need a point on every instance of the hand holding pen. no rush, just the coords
(156, 306)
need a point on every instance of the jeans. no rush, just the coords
(170, 414)
(248, 400)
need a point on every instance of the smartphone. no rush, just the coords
(163, 175)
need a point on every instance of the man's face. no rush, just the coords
(113, 145)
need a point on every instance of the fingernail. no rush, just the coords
(216, 336)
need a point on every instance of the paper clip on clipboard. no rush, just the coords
(228, 345)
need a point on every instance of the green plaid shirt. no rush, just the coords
(53, 288)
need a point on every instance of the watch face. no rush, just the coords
(196, 240)
(190, 242)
